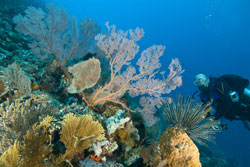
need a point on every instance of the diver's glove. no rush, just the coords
(234, 96)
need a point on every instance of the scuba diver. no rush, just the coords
(228, 94)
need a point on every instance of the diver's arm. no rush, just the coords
(222, 101)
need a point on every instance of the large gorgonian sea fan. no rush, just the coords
(55, 33)
(188, 115)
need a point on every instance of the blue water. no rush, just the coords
(209, 36)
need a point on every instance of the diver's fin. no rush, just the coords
(246, 125)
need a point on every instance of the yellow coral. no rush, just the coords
(77, 133)
(179, 149)
(17, 117)
(124, 135)
(10, 158)
(36, 149)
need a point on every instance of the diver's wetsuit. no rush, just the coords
(218, 93)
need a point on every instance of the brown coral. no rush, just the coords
(2, 87)
(124, 136)
(10, 158)
(35, 150)
(17, 80)
(179, 149)
(36, 146)
(78, 133)
(17, 117)
(151, 155)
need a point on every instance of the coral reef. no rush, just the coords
(3, 87)
(17, 117)
(66, 104)
(120, 47)
(89, 163)
(112, 123)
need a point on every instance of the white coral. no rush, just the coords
(116, 121)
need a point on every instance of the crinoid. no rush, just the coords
(190, 116)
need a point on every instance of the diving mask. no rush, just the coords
(201, 80)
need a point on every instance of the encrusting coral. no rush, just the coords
(124, 136)
(77, 133)
(152, 156)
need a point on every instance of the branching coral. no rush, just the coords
(17, 80)
(17, 117)
(36, 147)
(86, 74)
(78, 133)
(120, 48)
(56, 34)
(35, 150)
(10, 158)
(191, 117)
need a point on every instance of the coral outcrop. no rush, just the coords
(179, 149)
(60, 109)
